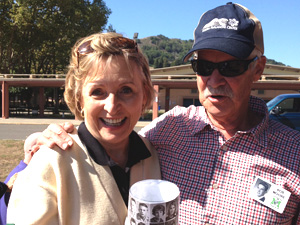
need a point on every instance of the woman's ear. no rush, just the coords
(81, 107)
(259, 68)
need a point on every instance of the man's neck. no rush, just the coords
(229, 127)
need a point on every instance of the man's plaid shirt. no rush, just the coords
(214, 175)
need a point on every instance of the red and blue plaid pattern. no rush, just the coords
(214, 175)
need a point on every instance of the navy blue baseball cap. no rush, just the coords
(230, 28)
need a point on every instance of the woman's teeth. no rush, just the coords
(112, 122)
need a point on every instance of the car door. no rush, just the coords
(289, 112)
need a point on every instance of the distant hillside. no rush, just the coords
(164, 52)
(272, 61)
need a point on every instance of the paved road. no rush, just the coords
(18, 129)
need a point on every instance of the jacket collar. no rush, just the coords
(137, 149)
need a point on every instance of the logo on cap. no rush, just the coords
(221, 23)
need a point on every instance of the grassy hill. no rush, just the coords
(162, 51)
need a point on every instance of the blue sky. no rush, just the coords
(178, 19)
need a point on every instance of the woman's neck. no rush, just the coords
(118, 153)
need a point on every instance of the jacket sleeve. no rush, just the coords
(33, 199)
(148, 168)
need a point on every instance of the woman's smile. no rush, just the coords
(113, 102)
(113, 122)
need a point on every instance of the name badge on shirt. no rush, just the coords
(269, 194)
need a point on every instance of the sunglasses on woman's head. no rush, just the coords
(231, 68)
(119, 42)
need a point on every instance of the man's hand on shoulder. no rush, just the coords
(56, 134)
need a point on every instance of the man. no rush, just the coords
(142, 215)
(28, 153)
(261, 190)
(215, 152)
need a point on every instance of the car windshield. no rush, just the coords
(274, 101)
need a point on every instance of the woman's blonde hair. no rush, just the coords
(102, 47)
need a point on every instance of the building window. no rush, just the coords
(191, 101)
(194, 91)
(261, 92)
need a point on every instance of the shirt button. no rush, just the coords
(215, 186)
(225, 148)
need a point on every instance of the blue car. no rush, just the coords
(285, 108)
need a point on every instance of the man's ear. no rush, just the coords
(259, 68)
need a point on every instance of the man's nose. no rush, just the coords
(216, 79)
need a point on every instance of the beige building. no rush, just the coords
(177, 95)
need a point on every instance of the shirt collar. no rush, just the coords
(137, 149)
(200, 121)
(259, 106)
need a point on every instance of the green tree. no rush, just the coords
(5, 34)
(110, 28)
(37, 35)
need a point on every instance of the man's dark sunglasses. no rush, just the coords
(231, 68)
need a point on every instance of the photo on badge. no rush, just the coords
(269, 194)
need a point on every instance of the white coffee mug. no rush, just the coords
(153, 202)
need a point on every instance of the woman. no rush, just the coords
(108, 86)
(158, 212)
(172, 212)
